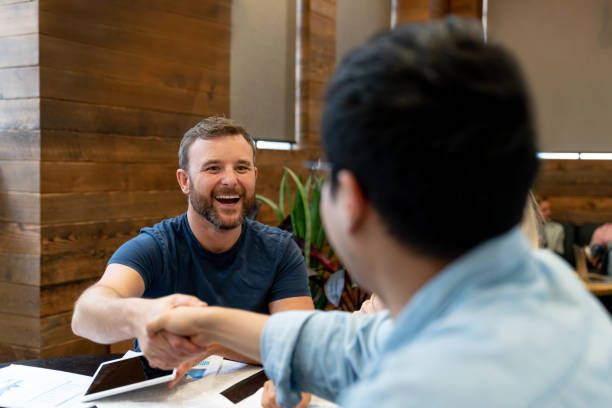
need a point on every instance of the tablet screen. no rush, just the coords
(124, 372)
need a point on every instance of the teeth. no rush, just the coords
(227, 197)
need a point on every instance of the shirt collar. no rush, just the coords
(487, 262)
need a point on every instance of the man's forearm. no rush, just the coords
(101, 315)
(238, 330)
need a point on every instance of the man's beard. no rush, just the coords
(204, 206)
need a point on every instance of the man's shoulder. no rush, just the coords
(167, 227)
(445, 370)
(267, 233)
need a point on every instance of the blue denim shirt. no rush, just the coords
(501, 326)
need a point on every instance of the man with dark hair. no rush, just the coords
(428, 130)
(211, 254)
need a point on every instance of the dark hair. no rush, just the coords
(213, 126)
(435, 125)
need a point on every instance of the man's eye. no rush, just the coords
(243, 168)
(212, 168)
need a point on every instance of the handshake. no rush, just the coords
(181, 331)
(178, 331)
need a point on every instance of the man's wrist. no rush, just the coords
(212, 322)
(135, 318)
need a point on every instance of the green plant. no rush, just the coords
(298, 211)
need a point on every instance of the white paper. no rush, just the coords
(230, 366)
(209, 366)
(254, 401)
(23, 386)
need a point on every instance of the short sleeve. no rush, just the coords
(141, 253)
(291, 279)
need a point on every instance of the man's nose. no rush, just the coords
(229, 178)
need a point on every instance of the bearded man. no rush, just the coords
(212, 254)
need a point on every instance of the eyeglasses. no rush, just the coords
(321, 166)
(318, 165)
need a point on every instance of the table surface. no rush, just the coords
(86, 364)
(599, 288)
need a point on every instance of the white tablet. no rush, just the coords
(122, 375)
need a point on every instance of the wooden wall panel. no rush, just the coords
(580, 191)
(19, 176)
(19, 238)
(114, 92)
(109, 148)
(109, 206)
(18, 18)
(65, 55)
(407, 11)
(84, 117)
(9, 352)
(73, 252)
(410, 11)
(72, 347)
(19, 299)
(19, 114)
(19, 51)
(12, 352)
(23, 337)
(20, 268)
(120, 82)
(71, 177)
(55, 299)
(204, 50)
(466, 8)
(316, 61)
(20, 207)
(19, 144)
(20, 330)
(19, 82)
(94, 99)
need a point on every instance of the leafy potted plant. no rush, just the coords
(298, 211)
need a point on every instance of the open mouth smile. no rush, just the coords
(227, 198)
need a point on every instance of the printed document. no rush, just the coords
(23, 386)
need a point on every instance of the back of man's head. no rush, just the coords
(436, 127)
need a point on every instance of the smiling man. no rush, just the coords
(211, 255)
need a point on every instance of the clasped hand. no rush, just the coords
(167, 349)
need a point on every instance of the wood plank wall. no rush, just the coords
(580, 191)
(406, 11)
(119, 84)
(20, 234)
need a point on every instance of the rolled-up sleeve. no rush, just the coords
(319, 352)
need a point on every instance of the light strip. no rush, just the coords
(267, 145)
(559, 156)
(596, 156)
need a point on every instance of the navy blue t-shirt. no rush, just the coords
(264, 265)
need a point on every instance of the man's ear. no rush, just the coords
(353, 201)
(183, 179)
